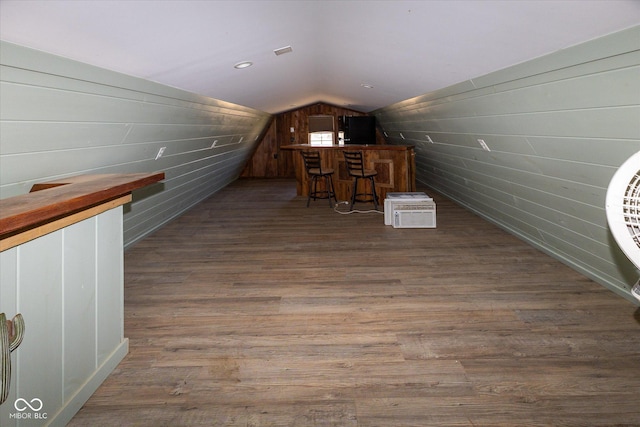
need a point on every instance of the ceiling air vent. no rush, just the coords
(283, 50)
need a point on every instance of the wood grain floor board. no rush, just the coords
(253, 310)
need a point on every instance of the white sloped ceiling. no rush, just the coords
(401, 48)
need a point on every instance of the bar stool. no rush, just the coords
(355, 167)
(313, 165)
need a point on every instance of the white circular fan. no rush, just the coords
(623, 211)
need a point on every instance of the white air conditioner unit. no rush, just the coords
(415, 215)
(396, 199)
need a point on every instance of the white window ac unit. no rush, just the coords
(415, 215)
(395, 199)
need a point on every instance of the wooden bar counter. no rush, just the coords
(395, 165)
(66, 201)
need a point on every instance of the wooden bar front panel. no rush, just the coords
(395, 166)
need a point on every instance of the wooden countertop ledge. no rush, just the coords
(51, 201)
(349, 147)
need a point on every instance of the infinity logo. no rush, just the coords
(24, 404)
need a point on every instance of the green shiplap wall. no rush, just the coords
(60, 118)
(558, 127)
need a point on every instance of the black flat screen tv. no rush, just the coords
(359, 129)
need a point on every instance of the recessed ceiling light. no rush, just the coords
(283, 50)
(243, 64)
(366, 85)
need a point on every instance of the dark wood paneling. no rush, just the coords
(264, 162)
(269, 161)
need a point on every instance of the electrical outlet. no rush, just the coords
(483, 144)
(160, 152)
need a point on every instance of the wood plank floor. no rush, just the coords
(253, 310)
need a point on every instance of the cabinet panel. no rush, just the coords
(110, 283)
(68, 286)
(79, 304)
(39, 372)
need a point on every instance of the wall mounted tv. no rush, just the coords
(359, 129)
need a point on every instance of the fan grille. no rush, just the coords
(631, 208)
